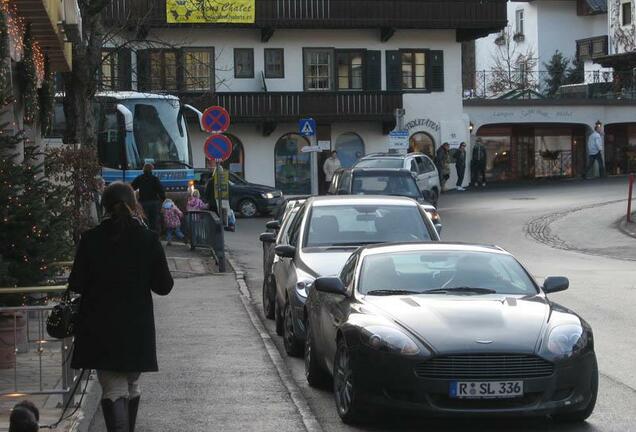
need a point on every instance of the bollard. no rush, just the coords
(629, 197)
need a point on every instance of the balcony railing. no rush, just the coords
(519, 85)
(452, 14)
(291, 106)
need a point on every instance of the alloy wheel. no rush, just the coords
(343, 381)
(288, 335)
(248, 208)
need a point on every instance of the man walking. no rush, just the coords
(331, 165)
(595, 152)
(460, 165)
(478, 164)
(151, 195)
(442, 164)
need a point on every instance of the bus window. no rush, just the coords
(108, 141)
(154, 144)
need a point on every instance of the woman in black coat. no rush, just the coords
(117, 266)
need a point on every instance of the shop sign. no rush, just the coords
(424, 123)
(210, 11)
(399, 140)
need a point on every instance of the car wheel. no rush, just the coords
(344, 388)
(248, 208)
(268, 302)
(316, 376)
(278, 317)
(582, 415)
(292, 346)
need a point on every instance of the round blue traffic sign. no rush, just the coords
(218, 147)
(215, 119)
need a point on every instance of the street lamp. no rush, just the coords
(471, 126)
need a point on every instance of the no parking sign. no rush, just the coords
(218, 147)
(215, 119)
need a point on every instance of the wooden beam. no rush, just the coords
(267, 33)
(386, 33)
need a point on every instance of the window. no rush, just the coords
(318, 67)
(414, 70)
(274, 63)
(163, 70)
(243, 63)
(627, 13)
(109, 72)
(350, 70)
(519, 21)
(198, 69)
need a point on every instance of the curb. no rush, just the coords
(295, 393)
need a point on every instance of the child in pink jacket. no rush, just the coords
(172, 220)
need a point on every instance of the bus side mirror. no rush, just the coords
(128, 117)
(198, 113)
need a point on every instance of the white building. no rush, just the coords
(349, 64)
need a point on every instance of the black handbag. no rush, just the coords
(61, 322)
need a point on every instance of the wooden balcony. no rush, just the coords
(278, 107)
(468, 16)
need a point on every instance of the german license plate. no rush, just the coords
(485, 389)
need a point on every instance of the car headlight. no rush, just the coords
(303, 287)
(388, 339)
(268, 195)
(567, 340)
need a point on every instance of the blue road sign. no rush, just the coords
(307, 127)
(215, 119)
(218, 147)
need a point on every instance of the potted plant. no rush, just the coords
(519, 37)
(501, 40)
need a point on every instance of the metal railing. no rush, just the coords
(531, 84)
(26, 330)
(204, 229)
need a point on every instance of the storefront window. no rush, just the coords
(292, 166)
(350, 148)
(422, 142)
(497, 141)
(553, 152)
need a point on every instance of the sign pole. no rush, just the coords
(314, 169)
(219, 190)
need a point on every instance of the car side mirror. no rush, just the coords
(331, 285)
(554, 284)
(285, 251)
(273, 225)
(268, 237)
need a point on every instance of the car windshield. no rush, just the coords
(236, 179)
(351, 225)
(377, 184)
(445, 272)
(380, 163)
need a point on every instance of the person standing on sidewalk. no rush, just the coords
(117, 266)
(331, 165)
(443, 165)
(460, 165)
(478, 164)
(595, 152)
(151, 195)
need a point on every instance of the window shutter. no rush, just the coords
(436, 71)
(393, 71)
(143, 70)
(373, 65)
(123, 63)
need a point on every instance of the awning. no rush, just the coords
(620, 62)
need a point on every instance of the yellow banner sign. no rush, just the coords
(210, 11)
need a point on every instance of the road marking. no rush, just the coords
(308, 418)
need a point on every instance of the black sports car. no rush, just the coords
(448, 329)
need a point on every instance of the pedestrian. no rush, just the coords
(117, 265)
(460, 165)
(443, 164)
(210, 194)
(478, 164)
(151, 195)
(595, 151)
(195, 203)
(172, 220)
(100, 185)
(331, 165)
(24, 417)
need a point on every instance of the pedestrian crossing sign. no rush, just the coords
(307, 127)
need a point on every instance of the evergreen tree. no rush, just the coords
(576, 72)
(556, 69)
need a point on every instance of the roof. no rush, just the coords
(343, 200)
(431, 246)
(135, 95)
(391, 155)
(375, 170)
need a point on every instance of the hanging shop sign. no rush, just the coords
(210, 11)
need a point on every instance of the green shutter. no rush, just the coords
(373, 66)
(143, 70)
(123, 64)
(393, 71)
(436, 70)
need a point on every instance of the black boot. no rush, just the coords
(116, 415)
(133, 406)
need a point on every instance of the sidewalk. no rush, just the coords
(214, 370)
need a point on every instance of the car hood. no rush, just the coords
(253, 187)
(454, 324)
(327, 263)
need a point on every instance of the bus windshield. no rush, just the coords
(160, 134)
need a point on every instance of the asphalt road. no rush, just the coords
(554, 228)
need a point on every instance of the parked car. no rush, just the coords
(418, 163)
(320, 238)
(275, 230)
(383, 181)
(454, 329)
(247, 199)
